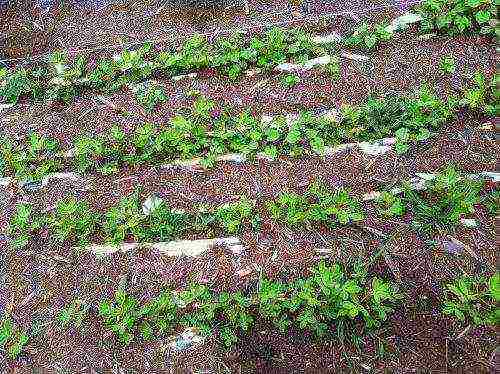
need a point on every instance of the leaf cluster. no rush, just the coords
(316, 205)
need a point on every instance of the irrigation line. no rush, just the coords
(207, 34)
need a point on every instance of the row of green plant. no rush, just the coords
(455, 17)
(129, 220)
(207, 131)
(333, 301)
(446, 199)
(61, 78)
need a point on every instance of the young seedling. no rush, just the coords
(447, 64)
(474, 299)
(290, 80)
(149, 95)
(333, 68)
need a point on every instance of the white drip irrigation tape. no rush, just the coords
(187, 248)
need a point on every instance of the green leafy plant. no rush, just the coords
(23, 224)
(125, 220)
(491, 201)
(73, 220)
(290, 80)
(474, 299)
(368, 36)
(32, 160)
(482, 96)
(318, 204)
(455, 17)
(12, 339)
(447, 64)
(447, 198)
(231, 216)
(17, 84)
(121, 315)
(74, 314)
(390, 205)
(333, 68)
(149, 95)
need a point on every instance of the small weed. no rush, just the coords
(492, 202)
(149, 95)
(483, 96)
(474, 299)
(290, 80)
(447, 65)
(447, 198)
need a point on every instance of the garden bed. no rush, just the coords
(164, 263)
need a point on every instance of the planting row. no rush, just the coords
(447, 199)
(334, 301)
(59, 79)
(208, 132)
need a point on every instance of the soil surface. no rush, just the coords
(36, 282)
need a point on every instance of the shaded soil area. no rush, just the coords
(29, 31)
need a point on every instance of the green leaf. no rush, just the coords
(401, 148)
(273, 134)
(494, 286)
(423, 134)
(370, 41)
(483, 16)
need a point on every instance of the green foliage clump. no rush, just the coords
(73, 220)
(390, 205)
(475, 299)
(74, 314)
(407, 118)
(149, 95)
(330, 300)
(483, 96)
(23, 224)
(447, 64)
(318, 204)
(12, 339)
(447, 198)
(290, 80)
(455, 17)
(32, 159)
(333, 68)
(368, 36)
